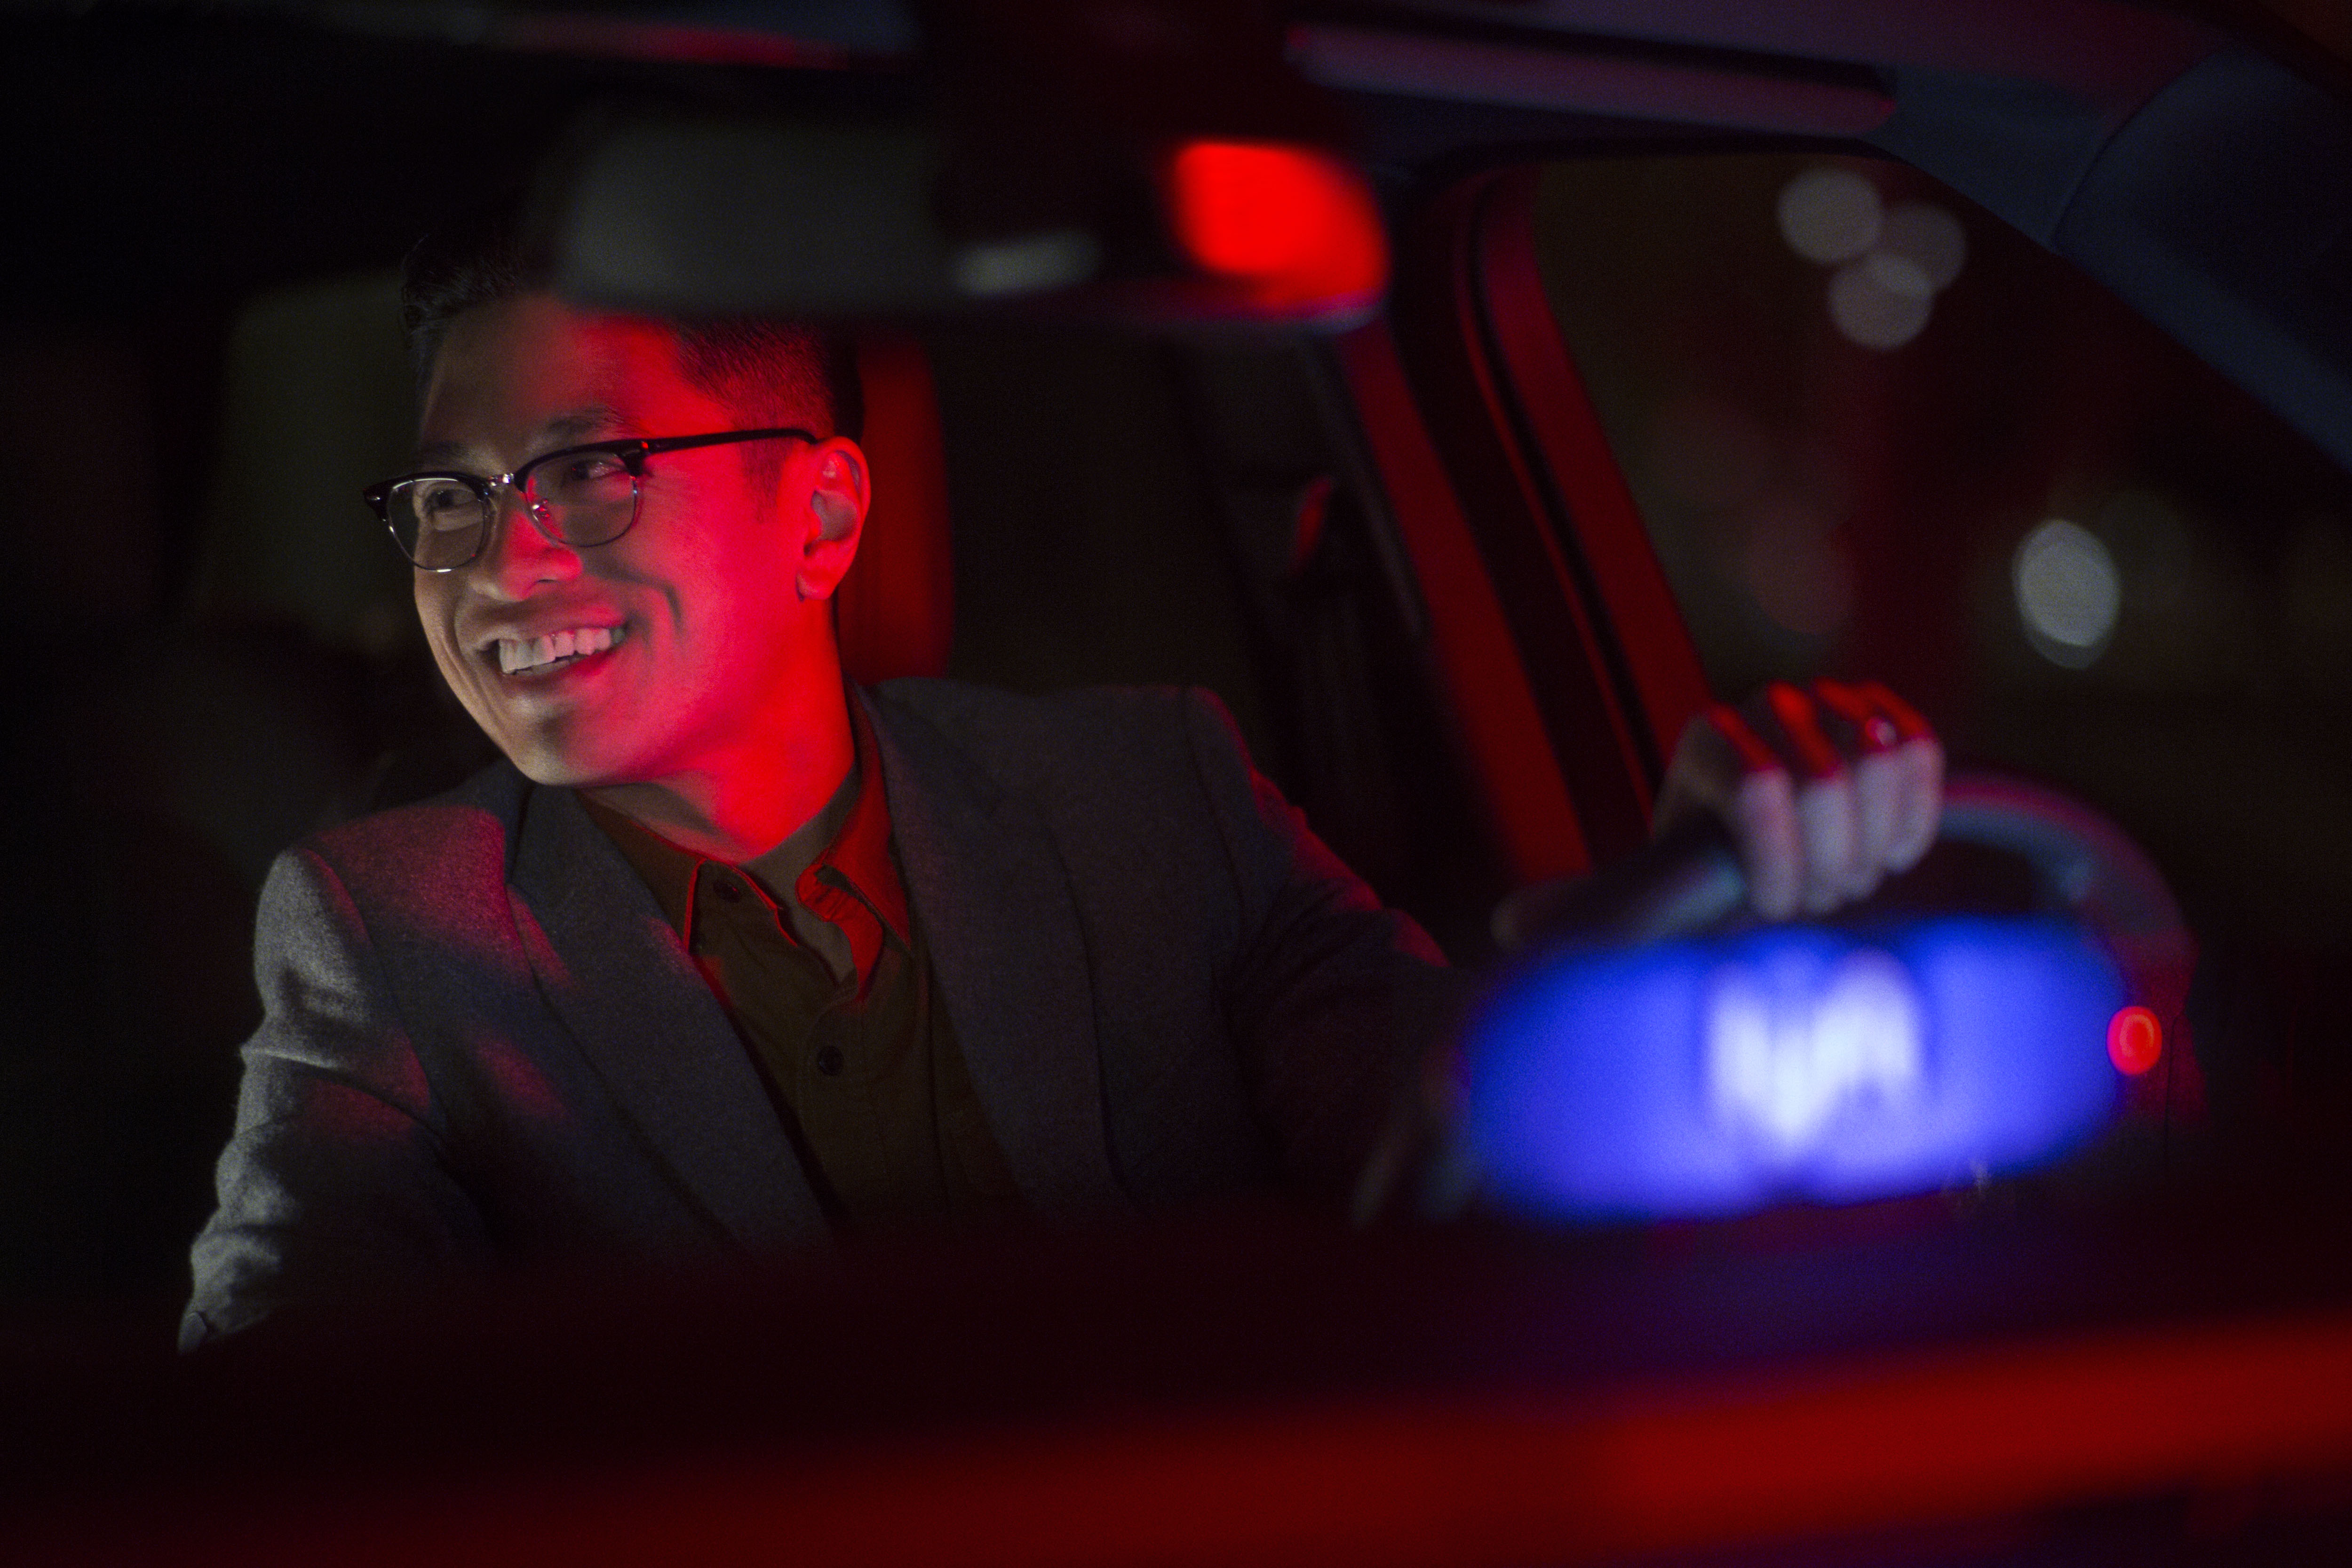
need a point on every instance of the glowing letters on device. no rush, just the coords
(1790, 1054)
(1793, 1062)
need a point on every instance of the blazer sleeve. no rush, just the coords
(1339, 1004)
(337, 1177)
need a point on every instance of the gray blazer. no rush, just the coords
(483, 1044)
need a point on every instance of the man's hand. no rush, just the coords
(1824, 790)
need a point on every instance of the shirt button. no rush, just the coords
(828, 1061)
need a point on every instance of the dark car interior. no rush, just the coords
(1607, 416)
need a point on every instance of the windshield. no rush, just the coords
(1874, 430)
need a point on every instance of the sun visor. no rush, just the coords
(707, 217)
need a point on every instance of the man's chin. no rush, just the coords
(560, 766)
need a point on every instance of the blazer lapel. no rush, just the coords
(988, 886)
(614, 973)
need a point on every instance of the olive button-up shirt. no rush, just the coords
(812, 951)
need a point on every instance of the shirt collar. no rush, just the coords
(858, 857)
(854, 860)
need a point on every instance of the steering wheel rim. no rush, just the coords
(2087, 870)
(2083, 864)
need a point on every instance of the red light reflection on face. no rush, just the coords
(2134, 1039)
(711, 642)
(1296, 227)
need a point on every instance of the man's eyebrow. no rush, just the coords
(564, 430)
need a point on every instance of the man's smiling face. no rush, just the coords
(687, 634)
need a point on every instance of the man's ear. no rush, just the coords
(836, 501)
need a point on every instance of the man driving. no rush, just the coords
(729, 957)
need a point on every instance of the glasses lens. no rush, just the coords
(586, 497)
(439, 521)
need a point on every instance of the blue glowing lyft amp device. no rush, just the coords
(1675, 1075)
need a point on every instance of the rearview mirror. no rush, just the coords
(722, 216)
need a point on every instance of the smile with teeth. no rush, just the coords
(517, 655)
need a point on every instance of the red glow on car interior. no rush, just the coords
(895, 612)
(1535, 825)
(645, 40)
(1969, 1434)
(1294, 226)
(2134, 1039)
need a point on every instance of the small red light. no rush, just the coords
(2134, 1039)
(1296, 227)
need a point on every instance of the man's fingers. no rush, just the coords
(1895, 729)
(1881, 782)
(1920, 809)
(1826, 847)
(1898, 774)
(1763, 818)
(1826, 790)
(1908, 721)
(1760, 804)
(1715, 752)
(1817, 740)
(1740, 744)
(1807, 744)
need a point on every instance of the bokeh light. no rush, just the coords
(1898, 275)
(1928, 237)
(1891, 263)
(1294, 225)
(1830, 214)
(1870, 312)
(2068, 591)
(2135, 1040)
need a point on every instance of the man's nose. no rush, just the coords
(519, 556)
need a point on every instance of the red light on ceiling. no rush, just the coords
(1296, 228)
(2134, 1039)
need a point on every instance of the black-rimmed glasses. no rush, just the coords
(579, 496)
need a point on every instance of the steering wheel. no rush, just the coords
(1649, 1053)
(2083, 865)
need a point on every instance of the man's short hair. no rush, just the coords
(769, 369)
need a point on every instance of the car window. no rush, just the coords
(1875, 432)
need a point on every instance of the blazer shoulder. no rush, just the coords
(1086, 737)
(456, 839)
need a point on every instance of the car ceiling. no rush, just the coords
(2208, 181)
